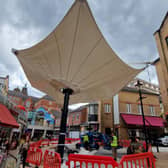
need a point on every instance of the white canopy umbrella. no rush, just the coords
(75, 57)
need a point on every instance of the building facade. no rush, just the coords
(40, 113)
(161, 37)
(123, 113)
(4, 85)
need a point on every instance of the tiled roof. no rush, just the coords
(21, 95)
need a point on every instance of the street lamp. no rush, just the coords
(138, 85)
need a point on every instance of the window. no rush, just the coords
(93, 109)
(128, 108)
(93, 112)
(166, 40)
(107, 108)
(73, 117)
(77, 117)
(152, 110)
(139, 109)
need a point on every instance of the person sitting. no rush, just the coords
(135, 146)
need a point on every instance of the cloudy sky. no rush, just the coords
(128, 26)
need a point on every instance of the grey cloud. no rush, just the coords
(41, 14)
(128, 26)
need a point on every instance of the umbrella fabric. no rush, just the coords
(76, 55)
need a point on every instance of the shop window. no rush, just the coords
(128, 108)
(107, 108)
(108, 131)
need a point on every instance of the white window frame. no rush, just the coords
(107, 108)
(152, 110)
(128, 106)
(93, 109)
(139, 109)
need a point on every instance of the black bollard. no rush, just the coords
(157, 147)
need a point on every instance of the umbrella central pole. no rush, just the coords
(67, 92)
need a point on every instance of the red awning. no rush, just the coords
(155, 121)
(131, 119)
(21, 107)
(6, 118)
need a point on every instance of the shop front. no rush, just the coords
(133, 126)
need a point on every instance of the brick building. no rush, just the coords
(21, 97)
(48, 103)
(4, 83)
(43, 118)
(123, 112)
(161, 37)
(77, 120)
(36, 110)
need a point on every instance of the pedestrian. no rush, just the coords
(135, 146)
(86, 141)
(7, 145)
(24, 149)
(114, 144)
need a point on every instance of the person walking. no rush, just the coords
(114, 144)
(24, 150)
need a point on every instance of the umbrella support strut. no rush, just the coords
(67, 92)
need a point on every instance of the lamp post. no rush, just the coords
(138, 85)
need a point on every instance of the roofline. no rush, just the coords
(144, 81)
(3, 78)
(161, 23)
(134, 90)
(155, 61)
